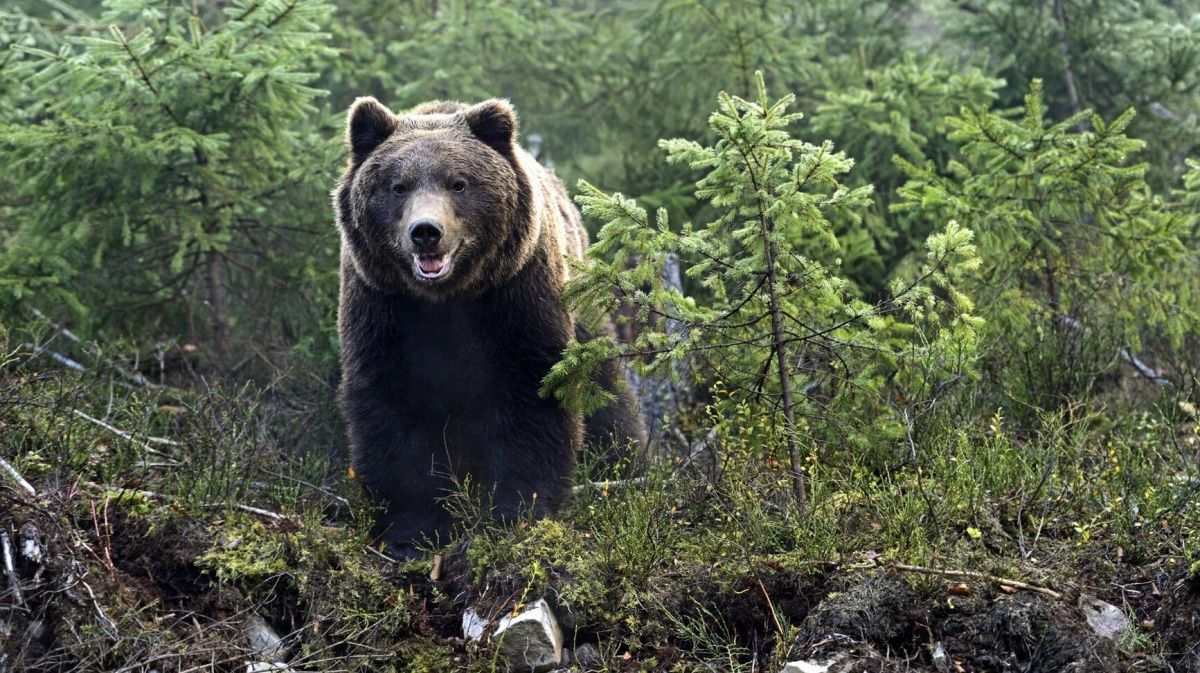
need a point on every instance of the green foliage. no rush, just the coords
(1072, 238)
(165, 161)
(776, 323)
(243, 549)
(1120, 55)
(896, 110)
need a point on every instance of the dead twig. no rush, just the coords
(607, 485)
(16, 476)
(109, 626)
(130, 438)
(250, 509)
(103, 538)
(10, 570)
(771, 605)
(971, 574)
(375, 552)
(319, 489)
(56, 356)
(133, 377)
(151, 495)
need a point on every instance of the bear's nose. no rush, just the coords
(425, 234)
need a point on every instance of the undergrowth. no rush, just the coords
(231, 515)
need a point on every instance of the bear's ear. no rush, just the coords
(368, 123)
(495, 123)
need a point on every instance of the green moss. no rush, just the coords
(423, 655)
(243, 548)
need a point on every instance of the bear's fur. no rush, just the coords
(454, 246)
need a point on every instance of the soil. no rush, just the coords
(853, 620)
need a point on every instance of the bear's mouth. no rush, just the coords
(431, 265)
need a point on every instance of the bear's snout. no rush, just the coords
(425, 235)
(430, 234)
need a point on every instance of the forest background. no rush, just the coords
(947, 319)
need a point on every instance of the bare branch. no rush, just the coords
(10, 571)
(16, 476)
(971, 574)
(133, 377)
(128, 437)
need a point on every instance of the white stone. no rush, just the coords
(531, 641)
(262, 639)
(31, 550)
(267, 667)
(805, 667)
(473, 624)
(940, 659)
(587, 656)
(1106, 619)
(811, 666)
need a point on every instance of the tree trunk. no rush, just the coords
(218, 303)
(779, 346)
(1064, 49)
(218, 300)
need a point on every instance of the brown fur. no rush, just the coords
(440, 372)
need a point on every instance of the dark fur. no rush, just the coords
(440, 377)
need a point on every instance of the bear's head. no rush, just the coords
(435, 202)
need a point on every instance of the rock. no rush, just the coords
(263, 640)
(811, 666)
(940, 660)
(267, 667)
(31, 547)
(473, 625)
(531, 641)
(1106, 620)
(587, 657)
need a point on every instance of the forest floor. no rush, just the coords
(216, 528)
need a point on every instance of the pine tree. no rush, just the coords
(1072, 239)
(1105, 55)
(776, 321)
(167, 168)
(895, 110)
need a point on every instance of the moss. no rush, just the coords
(423, 655)
(243, 548)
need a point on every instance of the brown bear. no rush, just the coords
(454, 253)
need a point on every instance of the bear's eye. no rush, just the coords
(399, 189)
(458, 185)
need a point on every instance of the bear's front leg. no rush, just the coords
(533, 449)
(399, 464)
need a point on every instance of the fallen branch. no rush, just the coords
(1125, 354)
(133, 377)
(16, 476)
(10, 570)
(971, 574)
(1145, 369)
(607, 485)
(151, 495)
(56, 356)
(126, 436)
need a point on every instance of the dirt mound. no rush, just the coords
(880, 620)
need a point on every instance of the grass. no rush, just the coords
(154, 555)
